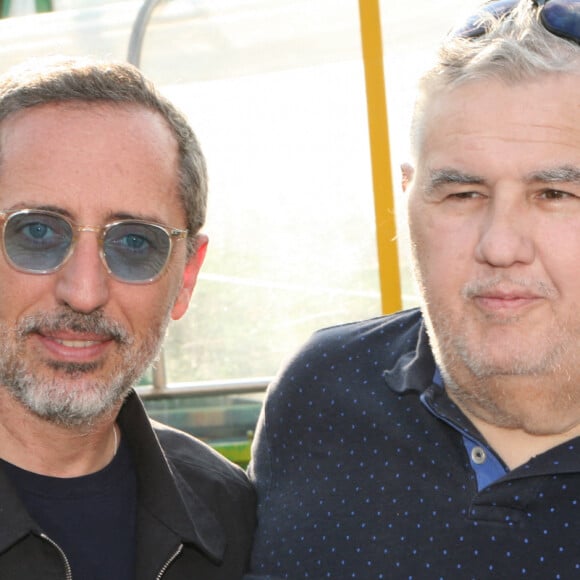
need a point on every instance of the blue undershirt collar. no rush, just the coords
(487, 467)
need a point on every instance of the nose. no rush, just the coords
(505, 238)
(83, 282)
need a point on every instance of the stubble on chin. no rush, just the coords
(518, 384)
(72, 394)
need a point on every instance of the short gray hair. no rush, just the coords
(515, 49)
(63, 79)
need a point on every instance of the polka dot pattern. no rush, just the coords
(358, 477)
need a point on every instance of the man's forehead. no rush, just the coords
(97, 123)
(492, 93)
(96, 153)
(537, 117)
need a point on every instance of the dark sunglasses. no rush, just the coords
(40, 242)
(560, 17)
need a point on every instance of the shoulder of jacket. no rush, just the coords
(191, 455)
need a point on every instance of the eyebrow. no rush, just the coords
(135, 216)
(563, 174)
(446, 175)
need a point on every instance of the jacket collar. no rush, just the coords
(162, 490)
(15, 522)
(170, 501)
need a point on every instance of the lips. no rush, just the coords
(69, 336)
(505, 302)
(502, 294)
(506, 299)
(76, 343)
(74, 347)
(507, 296)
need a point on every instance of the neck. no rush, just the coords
(516, 446)
(42, 447)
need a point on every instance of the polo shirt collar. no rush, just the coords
(414, 370)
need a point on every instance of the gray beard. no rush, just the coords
(523, 392)
(52, 396)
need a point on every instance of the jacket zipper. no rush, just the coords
(62, 554)
(169, 562)
(69, 571)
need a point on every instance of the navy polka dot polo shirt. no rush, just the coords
(370, 473)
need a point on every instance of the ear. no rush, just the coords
(407, 172)
(189, 278)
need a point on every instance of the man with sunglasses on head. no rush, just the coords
(443, 442)
(102, 196)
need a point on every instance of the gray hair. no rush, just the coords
(515, 49)
(60, 80)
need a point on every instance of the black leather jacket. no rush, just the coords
(195, 517)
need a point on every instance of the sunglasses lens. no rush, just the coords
(37, 242)
(562, 18)
(136, 252)
(476, 25)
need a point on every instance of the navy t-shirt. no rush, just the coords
(92, 518)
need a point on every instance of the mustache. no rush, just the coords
(538, 287)
(93, 323)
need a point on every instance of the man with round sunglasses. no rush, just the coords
(444, 442)
(102, 196)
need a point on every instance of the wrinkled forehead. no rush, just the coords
(549, 103)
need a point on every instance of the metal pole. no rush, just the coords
(372, 47)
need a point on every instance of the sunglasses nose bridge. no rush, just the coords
(99, 231)
(95, 229)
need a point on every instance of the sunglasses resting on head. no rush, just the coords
(560, 17)
(40, 242)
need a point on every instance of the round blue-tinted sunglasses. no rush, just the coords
(560, 17)
(135, 251)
